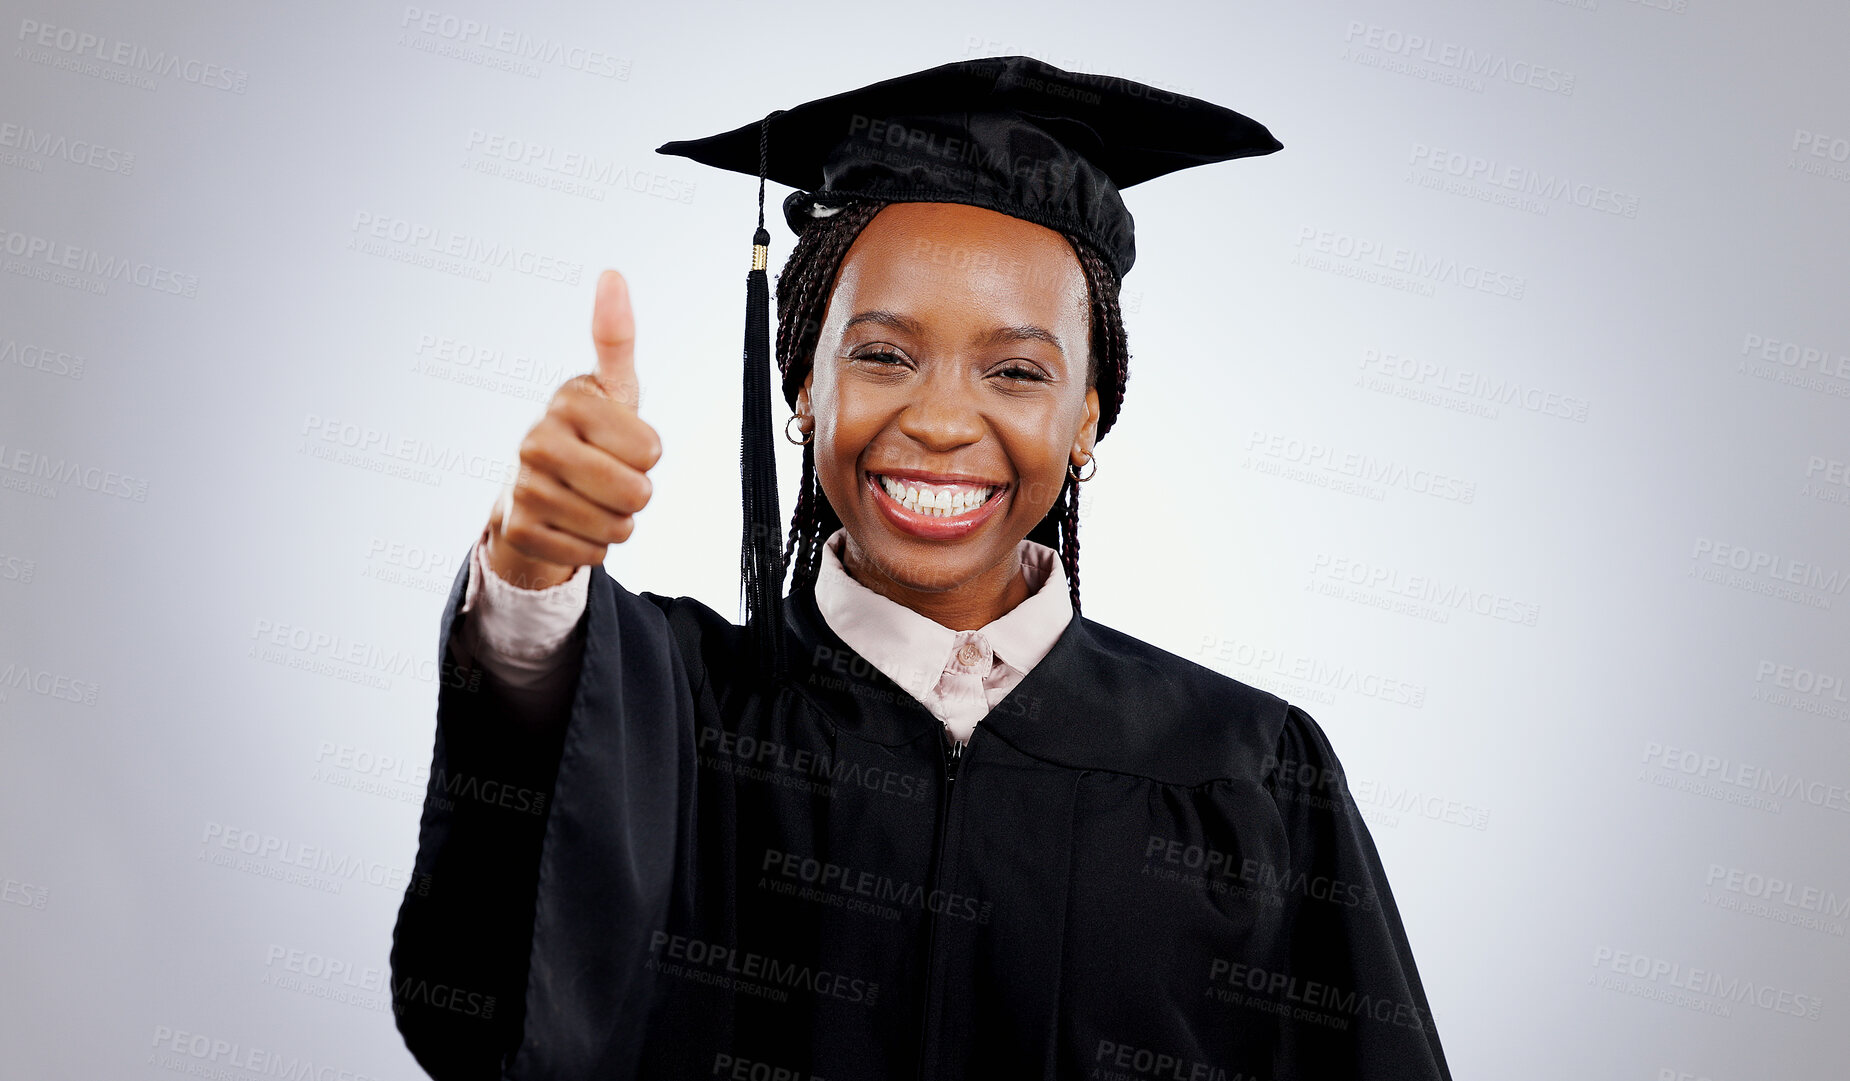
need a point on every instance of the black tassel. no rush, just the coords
(761, 550)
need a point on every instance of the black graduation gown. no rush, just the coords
(1138, 868)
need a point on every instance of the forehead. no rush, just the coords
(964, 259)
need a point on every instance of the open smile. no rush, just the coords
(932, 508)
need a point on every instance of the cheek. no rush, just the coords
(1042, 434)
(852, 414)
(843, 430)
(1038, 447)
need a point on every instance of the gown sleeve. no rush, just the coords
(524, 640)
(1364, 1012)
(533, 836)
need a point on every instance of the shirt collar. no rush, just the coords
(911, 649)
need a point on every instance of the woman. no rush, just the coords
(966, 832)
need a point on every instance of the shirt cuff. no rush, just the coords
(519, 634)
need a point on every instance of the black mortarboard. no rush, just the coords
(1008, 133)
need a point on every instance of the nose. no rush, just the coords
(943, 415)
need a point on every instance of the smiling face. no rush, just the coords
(949, 391)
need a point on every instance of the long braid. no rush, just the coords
(803, 289)
(1111, 357)
(805, 504)
(1068, 508)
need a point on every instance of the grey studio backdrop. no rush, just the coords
(1500, 420)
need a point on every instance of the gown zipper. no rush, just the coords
(952, 756)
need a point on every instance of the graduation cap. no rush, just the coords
(1008, 133)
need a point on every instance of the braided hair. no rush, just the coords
(803, 289)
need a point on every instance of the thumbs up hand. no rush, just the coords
(583, 466)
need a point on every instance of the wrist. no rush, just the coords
(518, 570)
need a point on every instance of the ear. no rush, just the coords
(803, 405)
(1088, 431)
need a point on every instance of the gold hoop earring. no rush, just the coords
(1074, 473)
(807, 434)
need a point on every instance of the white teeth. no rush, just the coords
(938, 501)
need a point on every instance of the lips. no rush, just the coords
(936, 500)
(935, 509)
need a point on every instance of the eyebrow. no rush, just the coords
(1023, 332)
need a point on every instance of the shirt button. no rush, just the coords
(972, 653)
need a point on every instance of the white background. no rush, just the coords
(218, 623)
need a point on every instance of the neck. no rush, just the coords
(967, 606)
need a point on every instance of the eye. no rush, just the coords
(1023, 373)
(883, 357)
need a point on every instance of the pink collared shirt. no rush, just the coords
(958, 675)
(524, 637)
